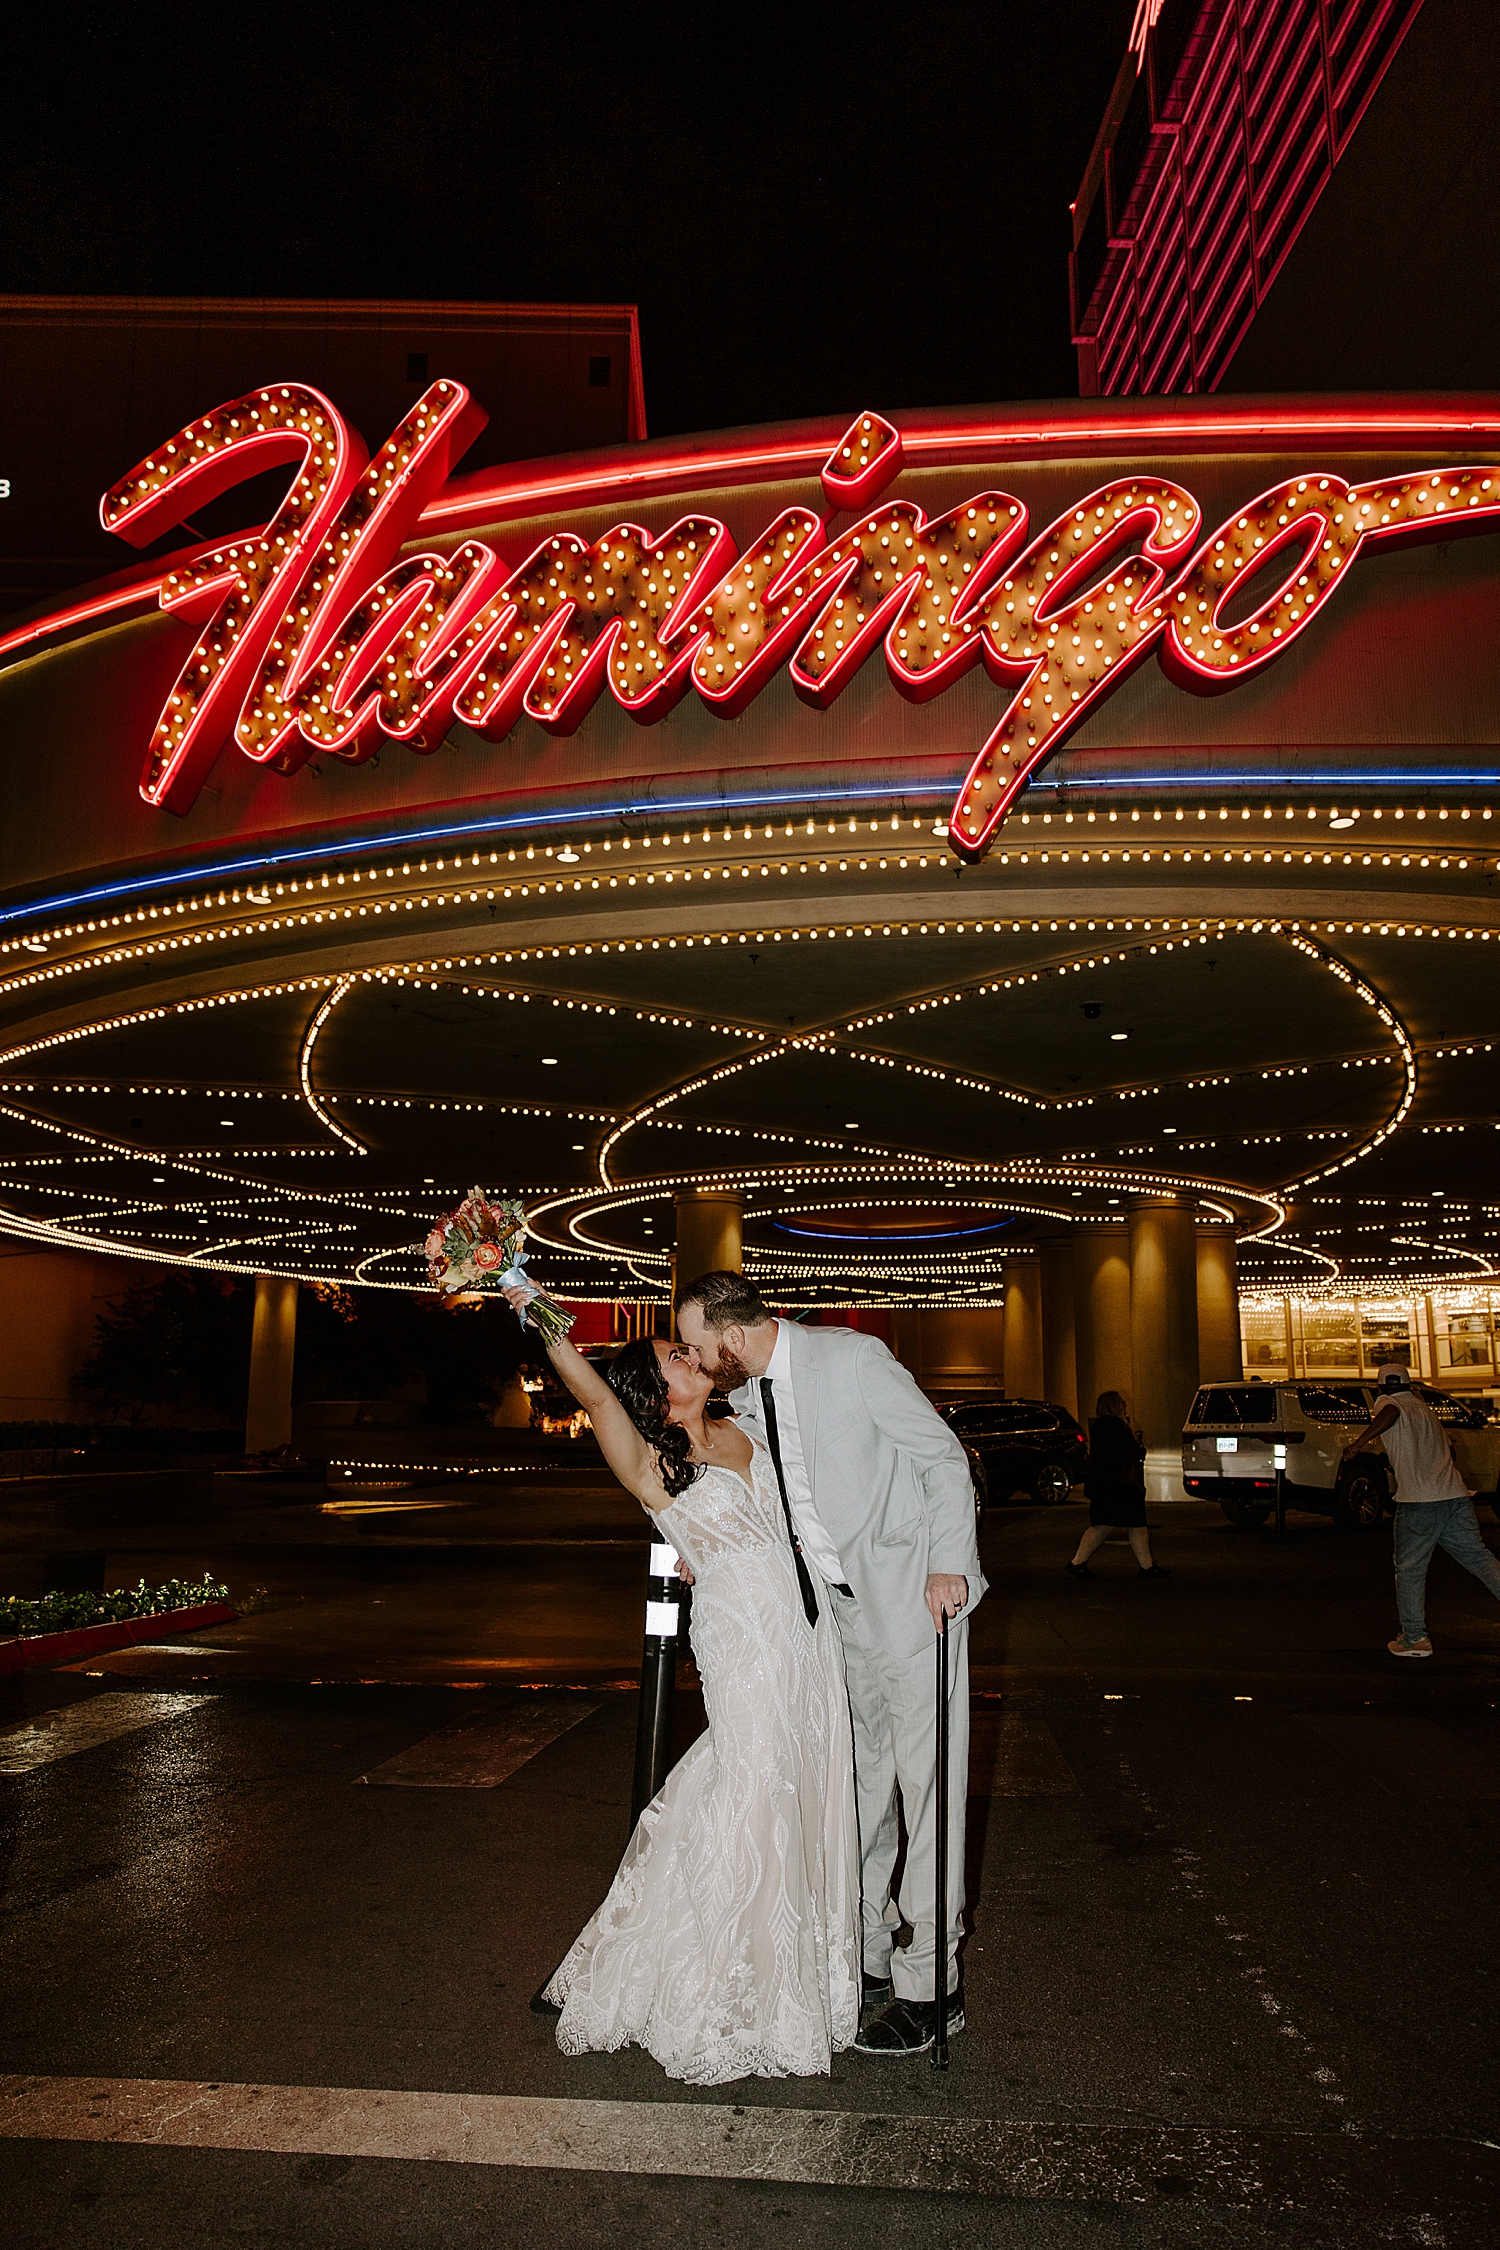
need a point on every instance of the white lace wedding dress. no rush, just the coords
(728, 1946)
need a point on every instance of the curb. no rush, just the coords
(83, 1640)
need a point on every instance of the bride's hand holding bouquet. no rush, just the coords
(478, 1247)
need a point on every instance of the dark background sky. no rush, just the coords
(815, 209)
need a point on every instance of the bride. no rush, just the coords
(728, 1946)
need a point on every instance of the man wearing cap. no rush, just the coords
(1434, 1507)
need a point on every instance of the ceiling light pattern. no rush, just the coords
(320, 1016)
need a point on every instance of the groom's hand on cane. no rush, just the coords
(947, 1595)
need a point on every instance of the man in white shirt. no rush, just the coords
(880, 1510)
(1434, 1507)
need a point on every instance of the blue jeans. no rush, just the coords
(1422, 1525)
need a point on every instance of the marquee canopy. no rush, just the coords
(1028, 811)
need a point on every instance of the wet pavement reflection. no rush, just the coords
(1229, 1978)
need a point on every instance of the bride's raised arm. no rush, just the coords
(623, 1447)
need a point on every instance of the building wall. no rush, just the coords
(952, 1348)
(49, 1301)
(95, 383)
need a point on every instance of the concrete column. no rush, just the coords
(1163, 1317)
(1059, 1353)
(1101, 1308)
(1023, 1328)
(710, 1235)
(273, 1345)
(1219, 1354)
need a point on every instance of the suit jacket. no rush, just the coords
(888, 1477)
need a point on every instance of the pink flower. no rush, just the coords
(486, 1257)
(434, 1243)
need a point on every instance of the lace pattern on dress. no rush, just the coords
(728, 1946)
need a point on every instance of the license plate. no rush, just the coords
(1227, 1444)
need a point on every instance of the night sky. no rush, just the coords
(816, 210)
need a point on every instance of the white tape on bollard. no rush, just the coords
(663, 1560)
(661, 1619)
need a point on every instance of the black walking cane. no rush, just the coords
(940, 1917)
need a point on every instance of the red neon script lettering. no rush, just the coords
(381, 511)
(244, 588)
(316, 638)
(1073, 617)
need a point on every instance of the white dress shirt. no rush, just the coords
(818, 1548)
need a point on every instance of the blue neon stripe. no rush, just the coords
(890, 1241)
(408, 839)
(268, 863)
(1378, 777)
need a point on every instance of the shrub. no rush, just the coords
(61, 1613)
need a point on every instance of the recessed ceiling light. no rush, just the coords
(1169, 1128)
(578, 1144)
(851, 1124)
(1119, 1035)
(1342, 820)
(226, 1120)
(567, 853)
(549, 1059)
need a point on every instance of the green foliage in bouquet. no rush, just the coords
(479, 1246)
(61, 1613)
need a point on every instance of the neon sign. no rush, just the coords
(314, 638)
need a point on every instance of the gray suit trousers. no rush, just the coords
(894, 1703)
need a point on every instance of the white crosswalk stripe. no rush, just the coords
(829, 2148)
(83, 1726)
(481, 1755)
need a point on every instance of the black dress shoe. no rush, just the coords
(876, 1992)
(1078, 1570)
(907, 2027)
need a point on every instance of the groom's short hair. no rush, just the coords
(726, 1300)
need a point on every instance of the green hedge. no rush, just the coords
(61, 1613)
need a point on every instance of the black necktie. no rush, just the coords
(804, 1575)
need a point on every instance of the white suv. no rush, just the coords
(1234, 1431)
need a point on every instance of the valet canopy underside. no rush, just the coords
(904, 1089)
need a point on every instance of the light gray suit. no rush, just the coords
(891, 1483)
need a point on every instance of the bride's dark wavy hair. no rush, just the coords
(635, 1377)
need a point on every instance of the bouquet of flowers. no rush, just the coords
(478, 1246)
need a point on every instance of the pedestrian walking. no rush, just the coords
(1434, 1507)
(1115, 1481)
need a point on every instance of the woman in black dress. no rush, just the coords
(1115, 1481)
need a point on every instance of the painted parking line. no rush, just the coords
(1014, 1753)
(482, 1755)
(83, 1726)
(1438, 2176)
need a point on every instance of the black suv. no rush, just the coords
(1023, 1445)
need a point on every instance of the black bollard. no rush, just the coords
(653, 1732)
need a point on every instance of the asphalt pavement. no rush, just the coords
(277, 1897)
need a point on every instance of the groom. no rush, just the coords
(881, 1511)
